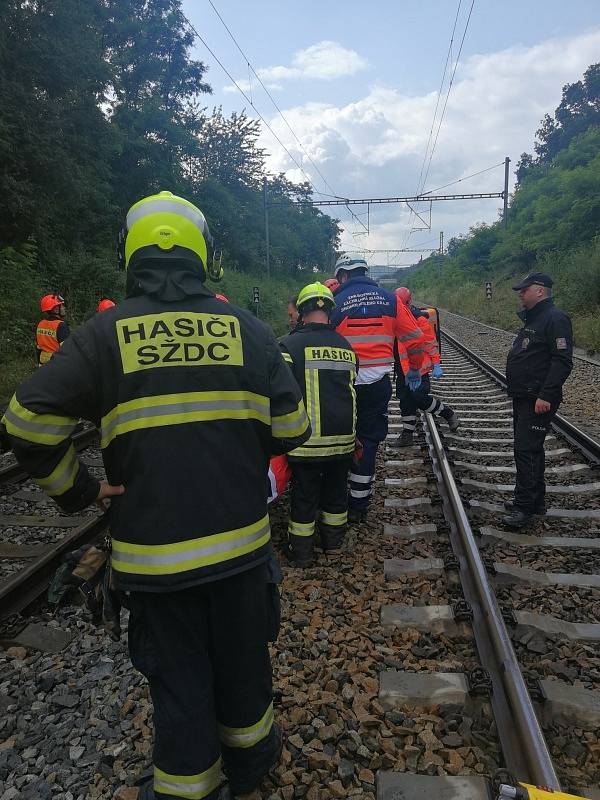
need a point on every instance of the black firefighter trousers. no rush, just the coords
(318, 485)
(530, 430)
(204, 651)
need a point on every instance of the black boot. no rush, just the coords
(404, 440)
(298, 557)
(356, 515)
(539, 511)
(518, 518)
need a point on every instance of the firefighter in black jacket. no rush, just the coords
(193, 395)
(324, 366)
(538, 364)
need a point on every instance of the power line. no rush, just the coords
(271, 98)
(259, 79)
(462, 41)
(439, 95)
(243, 93)
(465, 178)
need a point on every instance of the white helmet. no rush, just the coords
(350, 261)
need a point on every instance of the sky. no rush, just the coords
(358, 84)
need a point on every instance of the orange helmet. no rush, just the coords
(222, 297)
(332, 284)
(105, 304)
(404, 295)
(50, 301)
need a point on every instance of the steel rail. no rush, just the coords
(494, 328)
(26, 585)
(525, 750)
(587, 446)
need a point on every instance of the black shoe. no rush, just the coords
(404, 440)
(356, 515)
(296, 559)
(241, 791)
(518, 519)
(541, 511)
(453, 421)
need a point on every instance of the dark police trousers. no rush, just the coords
(530, 430)
(204, 651)
(421, 399)
(372, 401)
(318, 485)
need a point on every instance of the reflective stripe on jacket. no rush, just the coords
(324, 366)
(192, 398)
(46, 338)
(371, 319)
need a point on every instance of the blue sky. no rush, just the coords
(358, 83)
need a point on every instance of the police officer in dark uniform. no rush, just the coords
(538, 364)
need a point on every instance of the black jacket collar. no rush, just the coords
(529, 315)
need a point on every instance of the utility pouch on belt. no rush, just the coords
(88, 572)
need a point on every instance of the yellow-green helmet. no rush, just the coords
(315, 297)
(157, 224)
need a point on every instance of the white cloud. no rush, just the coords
(375, 145)
(324, 61)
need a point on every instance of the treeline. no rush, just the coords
(103, 104)
(553, 225)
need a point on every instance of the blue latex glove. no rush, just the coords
(437, 371)
(413, 379)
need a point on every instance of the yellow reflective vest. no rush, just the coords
(324, 365)
(192, 397)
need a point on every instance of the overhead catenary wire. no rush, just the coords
(464, 178)
(251, 70)
(462, 41)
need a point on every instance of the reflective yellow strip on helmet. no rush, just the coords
(37, 428)
(169, 559)
(192, 787)
(166, 220)
(62, 477)
(289, 425)
(182, 408)
(301, 528)
(250, 736)
(334, 519)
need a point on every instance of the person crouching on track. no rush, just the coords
(324, 366)
(419, 398)
(194, 397)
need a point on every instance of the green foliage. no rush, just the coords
(102, 105)
(553, 226)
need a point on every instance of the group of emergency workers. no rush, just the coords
(347, 335)
(193, 397)
(52, 329)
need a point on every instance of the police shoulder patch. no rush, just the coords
(561, 344)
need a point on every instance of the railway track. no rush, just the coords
(581, 402)
(434, 651)
(34, 535)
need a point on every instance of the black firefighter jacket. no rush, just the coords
(324, 365)
(192, 397)
(541, 357)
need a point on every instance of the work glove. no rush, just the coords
(437, 371)
(413, 379)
